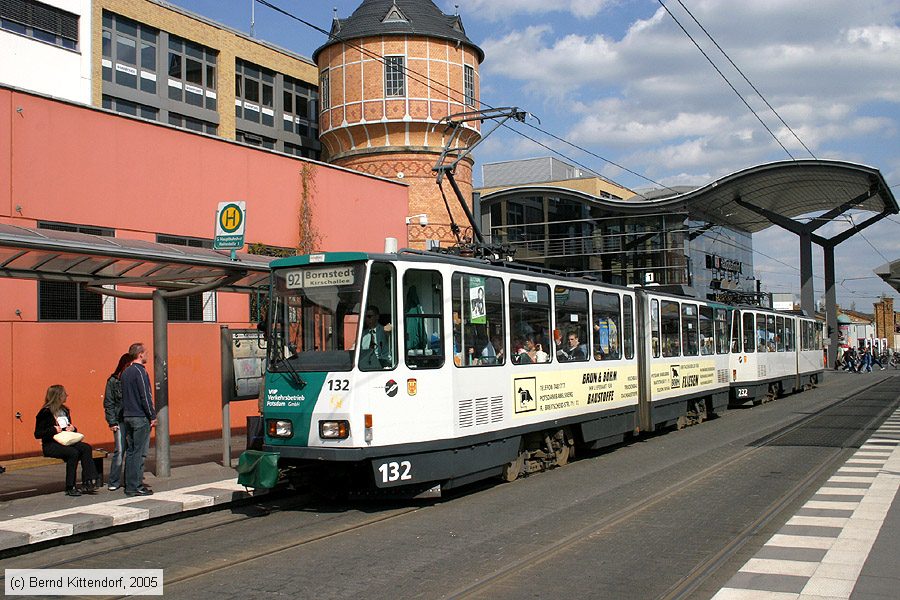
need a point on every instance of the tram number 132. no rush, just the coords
(395, 471)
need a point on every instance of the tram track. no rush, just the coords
(692, 581)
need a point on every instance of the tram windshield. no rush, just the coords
(314, 317)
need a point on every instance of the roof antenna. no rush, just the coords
(334, 13)
(456, 6)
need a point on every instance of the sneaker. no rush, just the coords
(140, 492)
(112, 488)
(73, 491)
(88, 488)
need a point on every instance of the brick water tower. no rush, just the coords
(388, 75)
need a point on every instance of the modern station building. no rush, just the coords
(559, 216)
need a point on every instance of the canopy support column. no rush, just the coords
(831, 306)
(807, 290)
(161, 381)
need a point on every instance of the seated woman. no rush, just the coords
(54, 417)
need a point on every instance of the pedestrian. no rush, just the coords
(140, 417)
(53, 419)
(115, 418)
(866, 362)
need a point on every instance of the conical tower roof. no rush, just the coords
(398, 17)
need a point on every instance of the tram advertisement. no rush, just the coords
(681, 376)
(574, 390)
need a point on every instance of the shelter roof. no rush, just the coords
(890, 273)
(398, 17)
(787, 188)
(97, 260)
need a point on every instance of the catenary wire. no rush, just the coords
(719, 71)
(750, 83)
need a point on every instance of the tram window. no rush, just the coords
(689, 330)
(803, 339)
(529, 322)
(654, 327)
(378, 344)
(707, 329)
(423, 308)
(736, 332)
(312, 321)
(779, 334)
(671, 328)
(749, 332)
(761, 333)
(606, 323)
(478, 321)
(789, 334)
(571, 332)
(628, 326)
(820, 336)
(721, 324)
(770, 332)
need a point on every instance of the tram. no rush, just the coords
(419, 371)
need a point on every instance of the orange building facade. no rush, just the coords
(398, 68)
(70, 165)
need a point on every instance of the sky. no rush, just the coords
(620, 80)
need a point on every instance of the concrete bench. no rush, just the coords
(32, 462)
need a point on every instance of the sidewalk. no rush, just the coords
(33, 507)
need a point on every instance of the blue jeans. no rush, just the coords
(137, 443)
(117, 458)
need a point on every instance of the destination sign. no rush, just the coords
(311, 278)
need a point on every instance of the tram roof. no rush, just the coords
(787, 188)
(51, 255)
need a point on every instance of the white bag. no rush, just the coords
(67, 438)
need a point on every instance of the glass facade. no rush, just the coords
(570, 233)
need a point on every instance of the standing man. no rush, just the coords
(140, 416)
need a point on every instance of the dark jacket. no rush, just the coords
(137, 399)
(112, 401)
(45, 425)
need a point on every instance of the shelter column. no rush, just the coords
(161, 381)
(807, 291)
(830, 305)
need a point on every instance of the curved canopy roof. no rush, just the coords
(787, 189)
(890, 273)
(398, 17)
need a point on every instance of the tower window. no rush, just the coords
(394, 76)
(469, 85)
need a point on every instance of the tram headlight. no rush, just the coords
(280, 429)
(334, 430)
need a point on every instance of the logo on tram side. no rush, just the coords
(390, 388)
(676, 380)
(525, 394)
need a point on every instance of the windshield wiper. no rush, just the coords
(295, 376)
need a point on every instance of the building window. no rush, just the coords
(192, 73)
(255, 140)
(65, 301)
(254, 93)
(129, 53)
(126, 107)
(192, 124)
(324, 90)
(299, 108)
(469, 85)
(394, 76)
(196, 307)
(40, 21)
